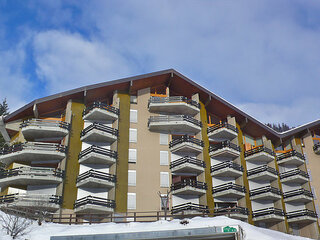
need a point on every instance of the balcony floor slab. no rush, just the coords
(260, 157)
(100, 115)
(298, 198)
(174, 107)
(188, 190)
(92, 208)
(187, 147)
(263, 176)
(222, 134)
(96, 158)
(294, 160)
(230, 193)
(295, 179)
(187, 168)
(175, 127)
(302, 219)
(24, 180)
(40, 132)
(91, 182)
(269, 218)
(226, 172)
(98, 136)
(225, 152)
(266, 196)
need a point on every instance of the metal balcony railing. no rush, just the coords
(38, 171)
(297, 192)
(96, 174)
(301, 213)
(99, 150)
(37, 146)
(293, 172)
(268, 211)
(265, 189)
(184, 139)
(227, 186)
(95, 201)
(230, 210)
(189, 207)
(290, 154)
(222, 125)
(258, 150)
(263, 168)
(316, 147)
(174, 118)
(45, 123)
(187, 159)
(188, 182)
(31, 198)
(173, 100)
(103, 106)
(225, 144)
(100, 127)
(227, 164)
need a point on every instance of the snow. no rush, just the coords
(46, 230)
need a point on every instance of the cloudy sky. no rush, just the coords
(262, 56)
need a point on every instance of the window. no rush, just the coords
(132, 156)
(133, 116)
(164, 139)
(132, 135)
(164, 179)
(131, 201)
(164, 158)
(132, 178)
(133, 99)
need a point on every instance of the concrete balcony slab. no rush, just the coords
(222, 134)
(98, 114)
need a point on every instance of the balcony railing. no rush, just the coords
(222, 125)
(174, 118)
(264, 168)
(231, 210)
(297, 192)
(228, 186)
(225, 144)
(185, 139)
(187, 159)
(227, 164)
(293, 172)
(45, 123)
(258, 150)
(173, 100)
(95, 201)
(265, 189)
(268, 211)
(189, 207)
(37, 146)
(316, 147)
(96, 174)
(38, 171)
(301, 213)
(290, 154)
(36, 199)
(99, 150)
(190, 183)
(103, 106)
(100, 127)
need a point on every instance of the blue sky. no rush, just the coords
(262, 56)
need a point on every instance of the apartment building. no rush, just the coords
(122, 146)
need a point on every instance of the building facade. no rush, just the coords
(159, 141)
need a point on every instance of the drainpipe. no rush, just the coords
(3, 130)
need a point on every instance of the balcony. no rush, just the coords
(294, 176)
(262, 173)
(96, 179)
(37, 201)
(189, 187)
(316, 148)
(92, 204)
(222, 131)
(178, 104)
(187, 165)
(189, 208)
(186, 144)
(97, 155)
(174, 124)
(97, 132)
(41, 128)
(226, 169)
(302, 216)
(30, 176)
(240, 213)
(32, 151)
(229, 190)
(224, 149)
(298, 195)
(291, 158)
(259, 154)
(268, 215)
(265, 193)
(100, 112)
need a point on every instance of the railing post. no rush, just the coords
(90, 219)
(158, 217)
(70, 219)
(134, 216)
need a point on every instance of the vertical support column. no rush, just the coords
(123, 153)
(70, 164)
(247, 200)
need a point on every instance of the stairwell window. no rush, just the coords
(133, 116)
(164, 179)
(133, 135)
(132, 201)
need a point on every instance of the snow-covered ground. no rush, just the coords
(51, 229)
